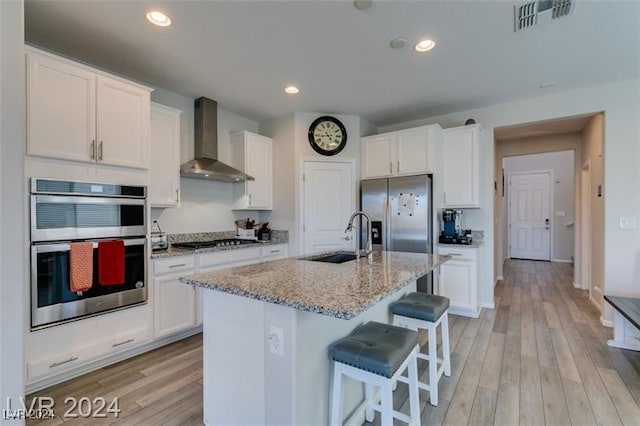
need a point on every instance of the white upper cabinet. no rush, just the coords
(253, 154)
(404, 152)
(123, 123)
(61, 100)
(77, 113)
(461, 157)
(164, 169)
(376, 155)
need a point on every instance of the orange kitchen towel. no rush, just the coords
(80, 266)
(111, 262)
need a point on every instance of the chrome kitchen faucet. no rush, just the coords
(369, 248)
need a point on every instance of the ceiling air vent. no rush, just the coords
(538, 12)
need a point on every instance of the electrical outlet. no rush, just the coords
(276, 341)
(628, 222)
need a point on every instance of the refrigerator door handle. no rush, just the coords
(387, 219)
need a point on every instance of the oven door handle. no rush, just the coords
(63, 199)
(54, 247)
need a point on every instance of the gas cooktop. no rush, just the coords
(213, 243)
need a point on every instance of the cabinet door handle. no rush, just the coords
(93, 149)
(178, 265)
(445, 197)
(115, 345)
(249, 199)
(178, 195)
(275, 251)
(390, 167)
(453, 254)
(398, 169)
(55, 364)
(100, 151)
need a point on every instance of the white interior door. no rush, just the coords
(328, 200)
(529, 214)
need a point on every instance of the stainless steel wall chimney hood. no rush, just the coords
(206, 165)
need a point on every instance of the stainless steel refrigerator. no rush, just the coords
(401, 216)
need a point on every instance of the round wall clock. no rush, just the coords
(327, 135)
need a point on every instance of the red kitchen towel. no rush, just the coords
(111, 262)
(80, 266)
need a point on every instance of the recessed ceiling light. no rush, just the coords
(158, 18)
(398, 43)
(292, 90)
(424, 45)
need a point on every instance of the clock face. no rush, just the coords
(327, 135)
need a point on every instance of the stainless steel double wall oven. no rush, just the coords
(65, 212)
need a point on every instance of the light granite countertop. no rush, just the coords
(277, 237)
(339, 290)
(477, 238)
(181, 251)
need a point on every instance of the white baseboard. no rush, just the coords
(576, 285)
(592, 300)
(499, 278)
(606, 323)
(490, 305)
(562, 260)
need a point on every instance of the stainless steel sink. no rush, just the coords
(335, 257)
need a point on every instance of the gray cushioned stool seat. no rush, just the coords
(422, 306)
(375, 347)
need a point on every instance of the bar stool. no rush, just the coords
(376, 354)
(420, 310)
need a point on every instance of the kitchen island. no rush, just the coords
(267, 328)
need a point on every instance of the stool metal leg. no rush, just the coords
(446, 355)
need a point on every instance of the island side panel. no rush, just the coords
(233, 360)
(280, 388)
(314, 334)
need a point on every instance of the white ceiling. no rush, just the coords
(243, 53)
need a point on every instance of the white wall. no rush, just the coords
(283, 215)
(205, 206)
(12, 214)
(620, 102)
(561, 164)
(593, 151)
(291, 142)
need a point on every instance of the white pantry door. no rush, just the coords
(529, 224)
(328, 200)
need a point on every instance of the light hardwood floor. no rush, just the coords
(539, 358)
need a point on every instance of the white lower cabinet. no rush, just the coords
(57, 353)
(175, 306)
(174, 302)
(178, 307)
(85, 353)
(275, 252)
(458, 280)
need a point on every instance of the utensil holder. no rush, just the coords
(246, 233)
